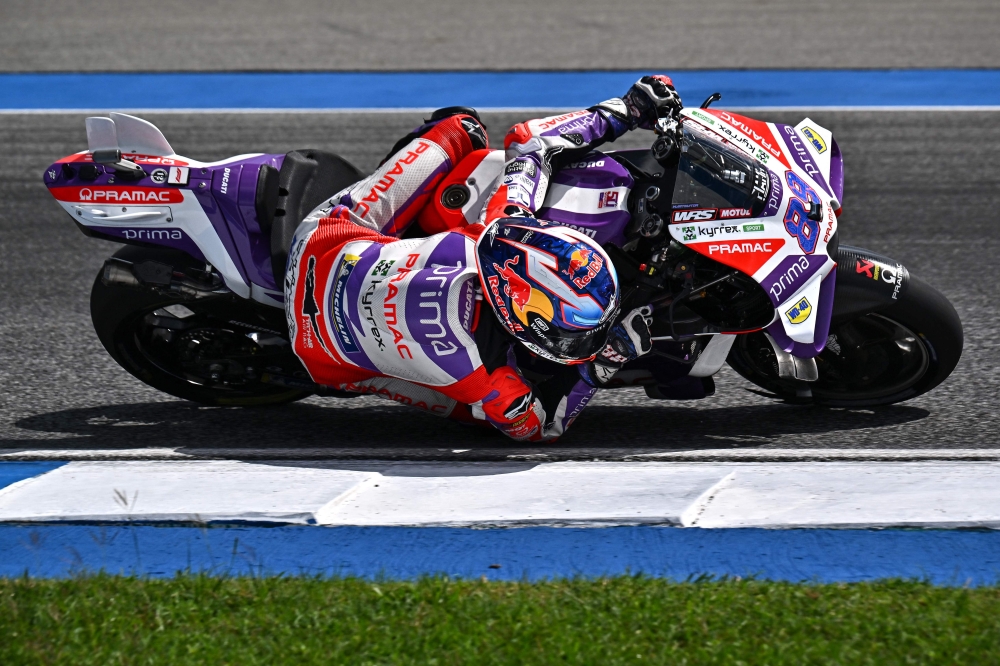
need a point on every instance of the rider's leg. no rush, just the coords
(311, 260)
(389, 200)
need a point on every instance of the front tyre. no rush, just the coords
(217, 350)
(877, 358)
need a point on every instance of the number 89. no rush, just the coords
(797, 221)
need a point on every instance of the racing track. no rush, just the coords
(921, 187)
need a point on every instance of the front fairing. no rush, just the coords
(761, 226)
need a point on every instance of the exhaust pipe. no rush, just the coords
(155, 275)
(119, 272)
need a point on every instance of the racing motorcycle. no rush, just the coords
(726, 225)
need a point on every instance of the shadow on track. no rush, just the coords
(393, 432)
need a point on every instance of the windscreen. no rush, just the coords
(711, 174)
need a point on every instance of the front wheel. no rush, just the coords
(877, 358)
(218, 350)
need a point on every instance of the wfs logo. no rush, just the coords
(696, 215)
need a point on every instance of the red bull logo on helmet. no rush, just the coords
(524, 298)
(517, 287)
(579, 259)
(583, 259)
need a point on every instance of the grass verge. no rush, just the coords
(106, 619)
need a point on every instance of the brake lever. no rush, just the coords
(668, 131)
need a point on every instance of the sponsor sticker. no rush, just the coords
(695, 215)
(815, 139)
(746, 256)
(518, 166)
(179, 175)
(728, 213)
(799, 312)
(749, 228)
(382, 267)
(703, 117)
(607, 199)
(585, 165)
(158, 176)
(740, 247)
(339, 301)
(110, 194)
(708, 230)
(891, 275)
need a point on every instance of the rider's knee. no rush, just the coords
(457, 129)
(458, 135)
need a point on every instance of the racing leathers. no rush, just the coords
(370, 312)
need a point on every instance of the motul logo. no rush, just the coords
(696, 215)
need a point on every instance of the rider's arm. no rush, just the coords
(530, 399)
(534, 149)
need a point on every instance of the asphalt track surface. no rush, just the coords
(921, 187)
(256, 35)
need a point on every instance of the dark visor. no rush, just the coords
(573, 346)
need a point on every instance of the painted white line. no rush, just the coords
(492, 109)
(159, 453)
(700, 455)
(199, 491)
(820, 455)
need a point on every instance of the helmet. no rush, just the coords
(551, 287)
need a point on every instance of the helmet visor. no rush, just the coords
(565, 345)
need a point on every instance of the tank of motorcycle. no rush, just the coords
(204, 209)
(764, 198)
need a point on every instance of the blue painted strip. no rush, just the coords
(12, 472)
(943, 557)
(386, 90)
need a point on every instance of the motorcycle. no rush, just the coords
(726, 225)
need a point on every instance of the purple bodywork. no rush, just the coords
(604, 227)
(226, 193)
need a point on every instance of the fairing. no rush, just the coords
(204, 209)
(780, 247)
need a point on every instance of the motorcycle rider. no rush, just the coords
(404, 318)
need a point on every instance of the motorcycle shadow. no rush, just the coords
(370, 429)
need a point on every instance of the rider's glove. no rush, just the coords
(628, 340)
(649, 98)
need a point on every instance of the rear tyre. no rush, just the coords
(872, 359)
(225, 352)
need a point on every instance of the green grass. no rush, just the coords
(204, 620)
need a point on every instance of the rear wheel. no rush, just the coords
(217, 350)
(871, 359)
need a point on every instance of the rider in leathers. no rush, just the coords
(371, 313)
